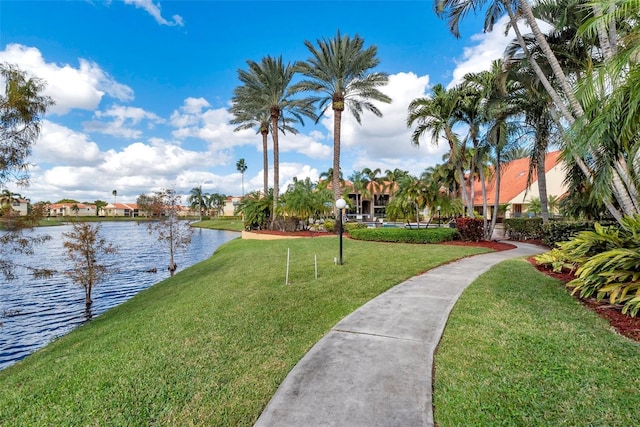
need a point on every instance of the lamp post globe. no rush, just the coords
(340, 204)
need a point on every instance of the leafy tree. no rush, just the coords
(169, 229)
(22, 106)
(150, 206)
(67, 201)
(339, 71)
(75, 209)
(85, 250)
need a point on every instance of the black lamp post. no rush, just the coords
(438, 209)
(340, 204)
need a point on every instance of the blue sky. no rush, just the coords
(142, 88)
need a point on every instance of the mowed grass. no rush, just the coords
(221, 224)
(210, 345)
(519, 351)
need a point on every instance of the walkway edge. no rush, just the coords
(374, 368)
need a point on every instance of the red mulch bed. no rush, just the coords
(496, 246)
(622, 323)
(307, 233)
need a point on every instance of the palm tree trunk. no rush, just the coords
(265, 162)
(551, 58)
(276, 166)
(335, 181)
(542, 187)
(557, 100)
(496, 204)
(483, 186)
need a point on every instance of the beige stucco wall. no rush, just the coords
(555, 187)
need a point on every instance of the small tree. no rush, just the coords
(85, 248)
(168, 227)
(22, 106)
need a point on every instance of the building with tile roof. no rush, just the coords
(514, 192)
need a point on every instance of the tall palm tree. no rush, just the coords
(266, 85)
(339, 72)
(437, 115)
(115, 199)
(241, 166)
(245, 119)
(247, 115)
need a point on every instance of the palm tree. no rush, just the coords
(438, 115)
(241, 166)
(248, 120)
(393, 177)
(377, 186)
(339, 72)
(249, 116)
(325, 178)
(197, 200)
(359, 181)
(265, 86)
(115, 198)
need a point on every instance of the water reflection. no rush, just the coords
(35, 311)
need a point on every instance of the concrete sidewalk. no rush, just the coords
(374, 368)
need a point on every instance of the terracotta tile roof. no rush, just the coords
(513, 180)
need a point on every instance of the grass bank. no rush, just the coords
(518, 350)
(210, 345)
(220, 224)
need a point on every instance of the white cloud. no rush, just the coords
(59, 144)
(154, 10)
(70, 87)
(123, 121)
(487, 48)
(386, 141)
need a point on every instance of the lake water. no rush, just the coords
(35, 311)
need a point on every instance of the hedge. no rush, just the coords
(523, 228)
(555, 232)
(402, 235)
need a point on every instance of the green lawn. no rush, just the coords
(519, 351)
(221, 224)
(210, 345)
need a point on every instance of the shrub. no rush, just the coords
(329, 225)
(350, 226)
(470, 229)
(402, 235)
(556, 259)
(609, 263)
(523, 228)
(555, 232)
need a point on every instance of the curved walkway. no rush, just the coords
(374, 368)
